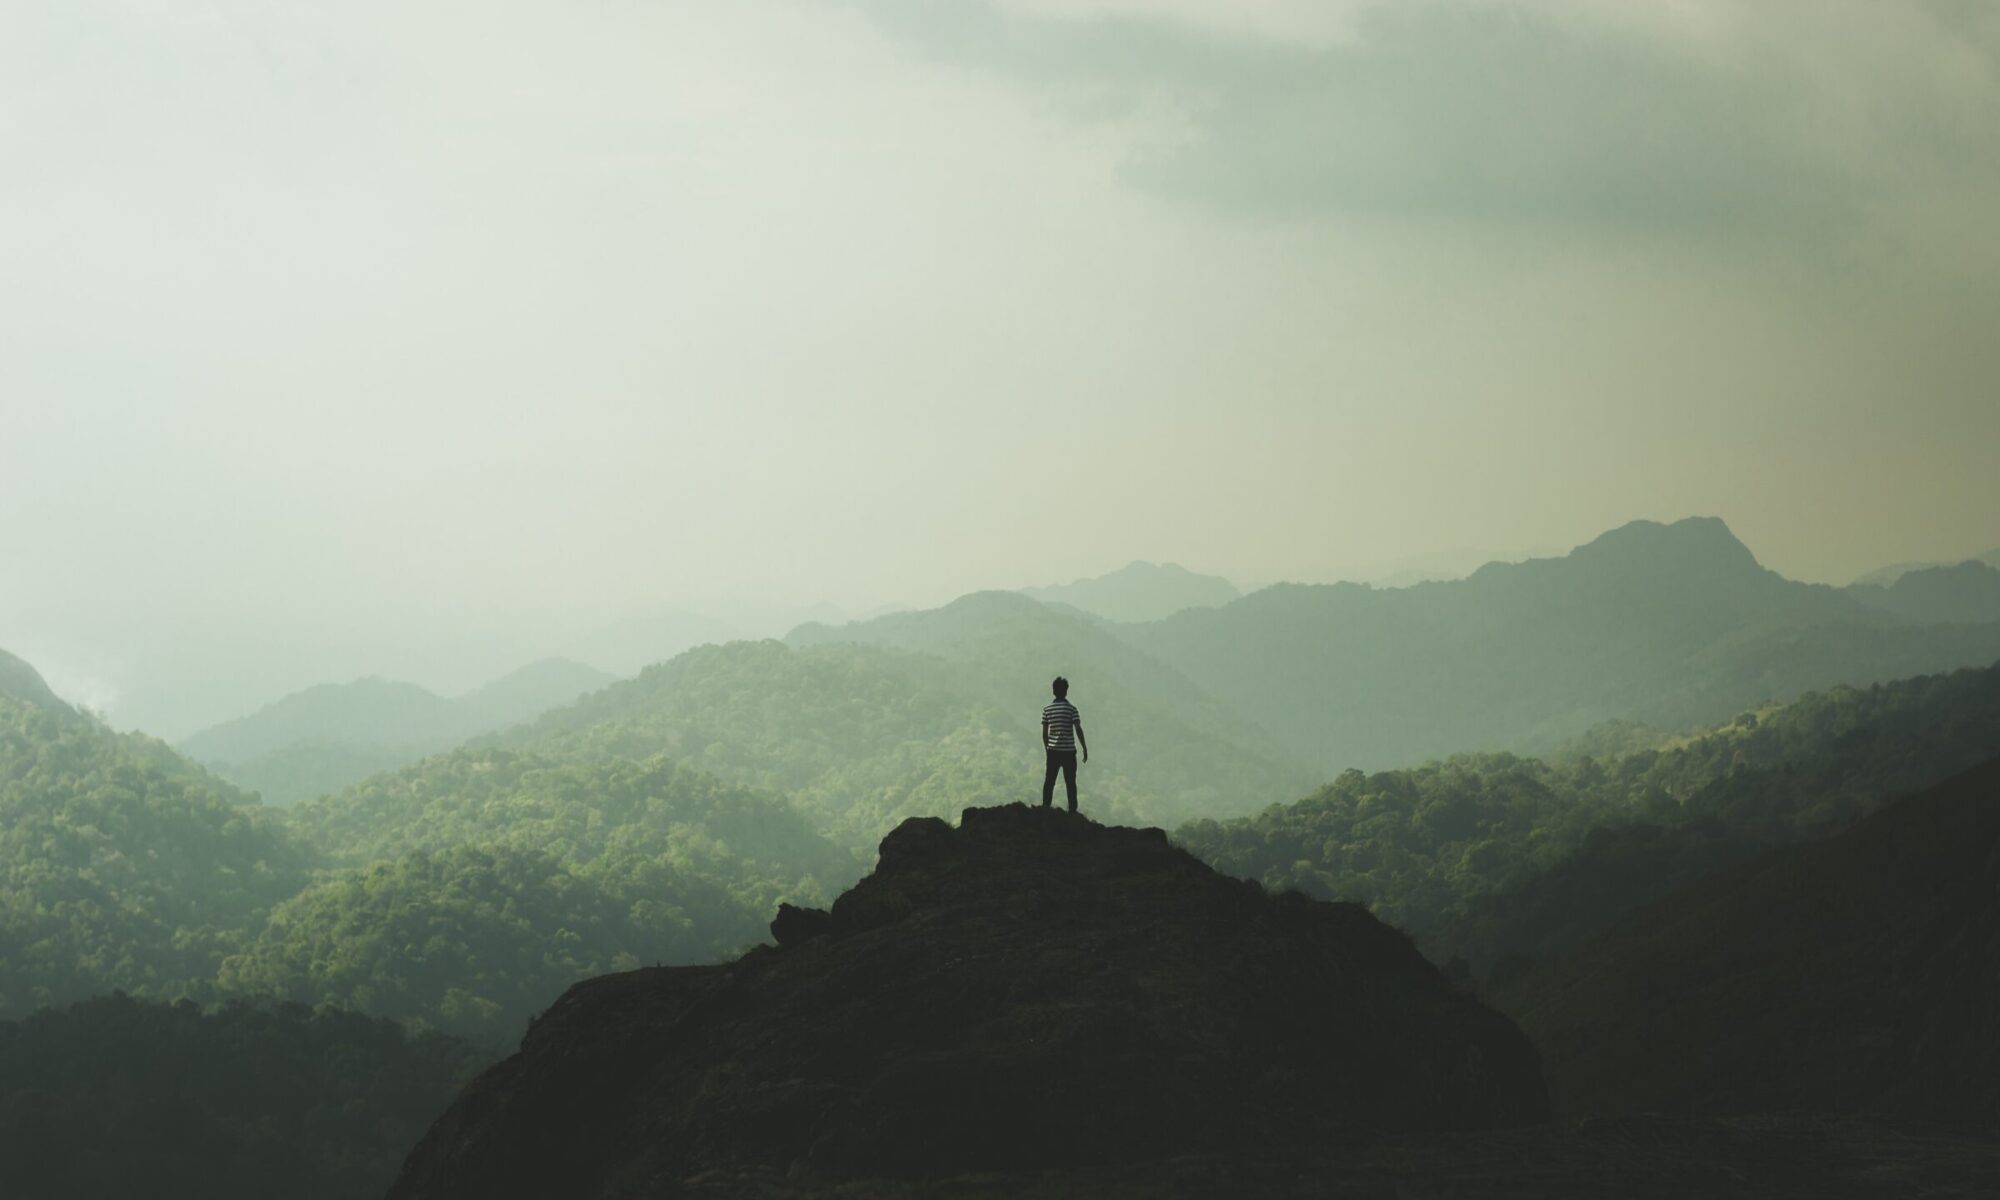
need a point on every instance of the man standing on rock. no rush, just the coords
(1062, 734)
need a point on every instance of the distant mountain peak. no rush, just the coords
(1686, 542)
(1140, 591)
(22, 682)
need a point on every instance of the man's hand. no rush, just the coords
(1084, 759)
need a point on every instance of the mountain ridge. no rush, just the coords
(319, 739)
(1676, 625)
(20, 680)
(1139, 591)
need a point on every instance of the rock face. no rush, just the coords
(1029, 990)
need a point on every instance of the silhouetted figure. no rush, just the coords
(1062, 735)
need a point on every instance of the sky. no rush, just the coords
(342, 337)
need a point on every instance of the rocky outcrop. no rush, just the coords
(1027, 991)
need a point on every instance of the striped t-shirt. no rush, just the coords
(1061, 717)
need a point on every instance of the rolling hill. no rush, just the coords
(1494, 857)
(1139, 591)
(121, 863)
(323, 738)
(1967, 593)
(924, 714)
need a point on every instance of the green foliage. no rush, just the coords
(483, 882)
(862, 737)
(478, 941)
(859, 738)
(118, 1097)
(122, 864)
(465, 891)
(1490, 856)
(610, 819)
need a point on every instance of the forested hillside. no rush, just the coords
(118, 1097)
(464, 892)
(1493, 856)
(862, 736)
(323, 738)
(474, 886)
(121, 863)
(1677, 626)
(1858, 973)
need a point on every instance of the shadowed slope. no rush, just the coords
(1029, 990)
(1856, 974)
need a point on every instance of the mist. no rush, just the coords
(363, 338)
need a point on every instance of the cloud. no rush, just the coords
(1715, 117)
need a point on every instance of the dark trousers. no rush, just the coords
(1064, 761)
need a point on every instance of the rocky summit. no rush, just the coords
(1027, 991)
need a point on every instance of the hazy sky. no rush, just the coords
(344, 335)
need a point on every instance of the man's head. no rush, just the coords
(1060, 687)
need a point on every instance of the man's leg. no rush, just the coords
(1049, 780)
(1069, 777)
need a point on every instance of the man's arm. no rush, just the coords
(1081, 744)
(1045, 733)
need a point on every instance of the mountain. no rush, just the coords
(366, 712)
(861, 734)
(1859, 973)
(1140, 591)
(321, 739)
(1494, 859)
(528, 691)
(121, 863)
(1966, 593)
(470, 888)
(1885, 576)
(1016, 646)
(19, 681)
(1674, 625)
(118, 1097)
(1027, 991)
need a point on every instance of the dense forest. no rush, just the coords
(121, 863)
(470, 889)
(1496, 857)
(862, 736)
(119, 1097)
(663, 819)
(464, 892)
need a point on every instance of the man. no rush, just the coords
(1062, 734)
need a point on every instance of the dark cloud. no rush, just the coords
(1505, 113)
